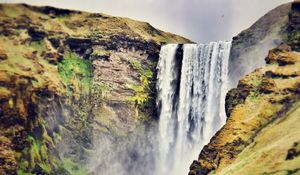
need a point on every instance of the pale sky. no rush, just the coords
(198, 20)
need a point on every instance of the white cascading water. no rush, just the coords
(191, 101)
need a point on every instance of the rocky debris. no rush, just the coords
(55, 42)
(3, 55)
(36, 34)
(31, 55)
(282, 57)
(52, 57)
(22, 22)
(293, 152)
(7, 158)
(79, 45)
(5, 94)
(267, 86)
(7, 27)
(105, 57)
(234, 97)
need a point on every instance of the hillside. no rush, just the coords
(261, 135)
(252, 45)
(67, 76)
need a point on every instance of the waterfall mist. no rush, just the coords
(127, 155)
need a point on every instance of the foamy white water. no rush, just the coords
(191, 98)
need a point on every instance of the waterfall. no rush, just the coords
(191, 86)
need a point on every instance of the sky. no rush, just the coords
(201, 21)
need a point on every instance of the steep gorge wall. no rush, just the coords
(68, 76)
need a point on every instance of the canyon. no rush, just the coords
(88, 93)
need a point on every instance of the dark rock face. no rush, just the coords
(55, 42)
(294, 26)
(123, 41)
(52, 57)
(234, 97)
(36, 34)
(79, 45)
(267, 86)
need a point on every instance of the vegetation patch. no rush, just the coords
(73, 167)
(96, 36)
(76, 73)
(143, 89)
(38, 46)
(38, 157)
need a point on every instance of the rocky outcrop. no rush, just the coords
(65, 77)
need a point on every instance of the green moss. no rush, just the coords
(143, 89)
(102, 87)
(63, 18)
(136, 65)
(239, 45)
(11, 12)
(11, 103)
(39, 46)
(253, 95)
(76, 73)
(57, 137)
(21, 172)
(38, 154)
(34, 151)
(18, 32)
(96, 35)
(23, 166)
(73, 167)
(100, 52)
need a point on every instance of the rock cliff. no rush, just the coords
(261, 135)
(66, 75)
